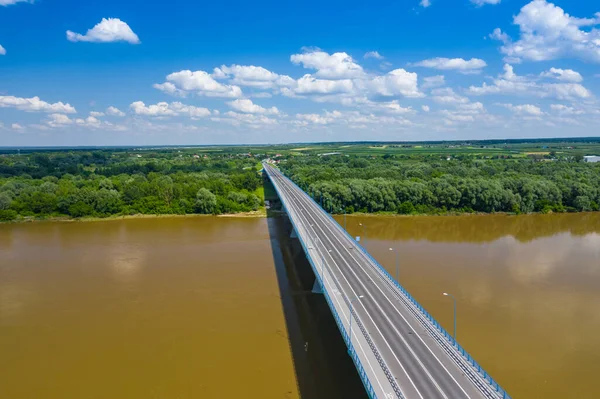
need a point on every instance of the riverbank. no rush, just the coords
(252, 214)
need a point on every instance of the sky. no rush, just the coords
(133, 72)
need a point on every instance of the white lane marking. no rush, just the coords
(387, 318)
(324, 218)
(343, 309)
(355, 294)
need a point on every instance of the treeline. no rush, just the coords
(105, 184)
(379, 184)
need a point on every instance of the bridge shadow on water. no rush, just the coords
(321, 362)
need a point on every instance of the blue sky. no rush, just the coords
(139, 72)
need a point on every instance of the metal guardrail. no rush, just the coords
(449, 338)
(351, 350)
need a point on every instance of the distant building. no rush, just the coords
(591, 158)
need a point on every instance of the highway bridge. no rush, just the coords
(399, 350)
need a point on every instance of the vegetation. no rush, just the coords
(407, 178)
(103, 183)
(433, 184)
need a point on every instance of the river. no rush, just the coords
(218, 307)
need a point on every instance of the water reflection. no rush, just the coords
(527, 290)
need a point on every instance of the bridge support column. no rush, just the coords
(317, 289)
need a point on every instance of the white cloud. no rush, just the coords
(510, 83)
(474, 65)
(16, 126)
(373, 54)
(480, 3)
(425, 108)
(198, 82)
(433, 81)
(59, 120)
(96, 114)
(168, 109)
(525, 109)
(252, 120)
(329, 66)
(396, 82)
(253, 76)
(565, 110)
(2, 50)
(308, 84)
(247, 106)
(108, 30)
(448, 96)
(9, 2)
(425, 3)
(566, 75)
(34, 104)
(113, 111)
(548, 33)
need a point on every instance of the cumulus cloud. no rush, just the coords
(524, 109)
(425, 3)
(248, 107)
(308, 84)
(480, 3)
(96, 114)
(433, 81)
(16, 126)
(394, 83)
(59, 120)
(252, 76)
(250, 120)
(114, 111)
(373, 54)
(34, 104)
(448, 96)
(168, 109)
(329, 66)
(108, 30)
(425, 108)
(474, 65)
(547, 32)
(566, 110)
(510, 83)
(198, 82)
(2, 50)
(566, 75)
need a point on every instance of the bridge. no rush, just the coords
(399, 350)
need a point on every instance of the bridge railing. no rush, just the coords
(450, 339)
(351, 350)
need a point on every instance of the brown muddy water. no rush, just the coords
(206, 307)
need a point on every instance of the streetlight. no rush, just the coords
(364, 233)
(450, 295)
(358, 297)
(397, 265)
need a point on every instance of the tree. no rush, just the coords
(206, 201)
(5, 201)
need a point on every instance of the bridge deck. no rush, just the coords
(398, 350)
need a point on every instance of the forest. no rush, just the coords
(79, 184)
(387, 184)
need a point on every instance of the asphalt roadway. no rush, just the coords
(420, 366)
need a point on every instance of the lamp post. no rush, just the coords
(397, 265)
(351, 302)
(450, 295)
(364, 233)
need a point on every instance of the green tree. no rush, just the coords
(206, 202)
